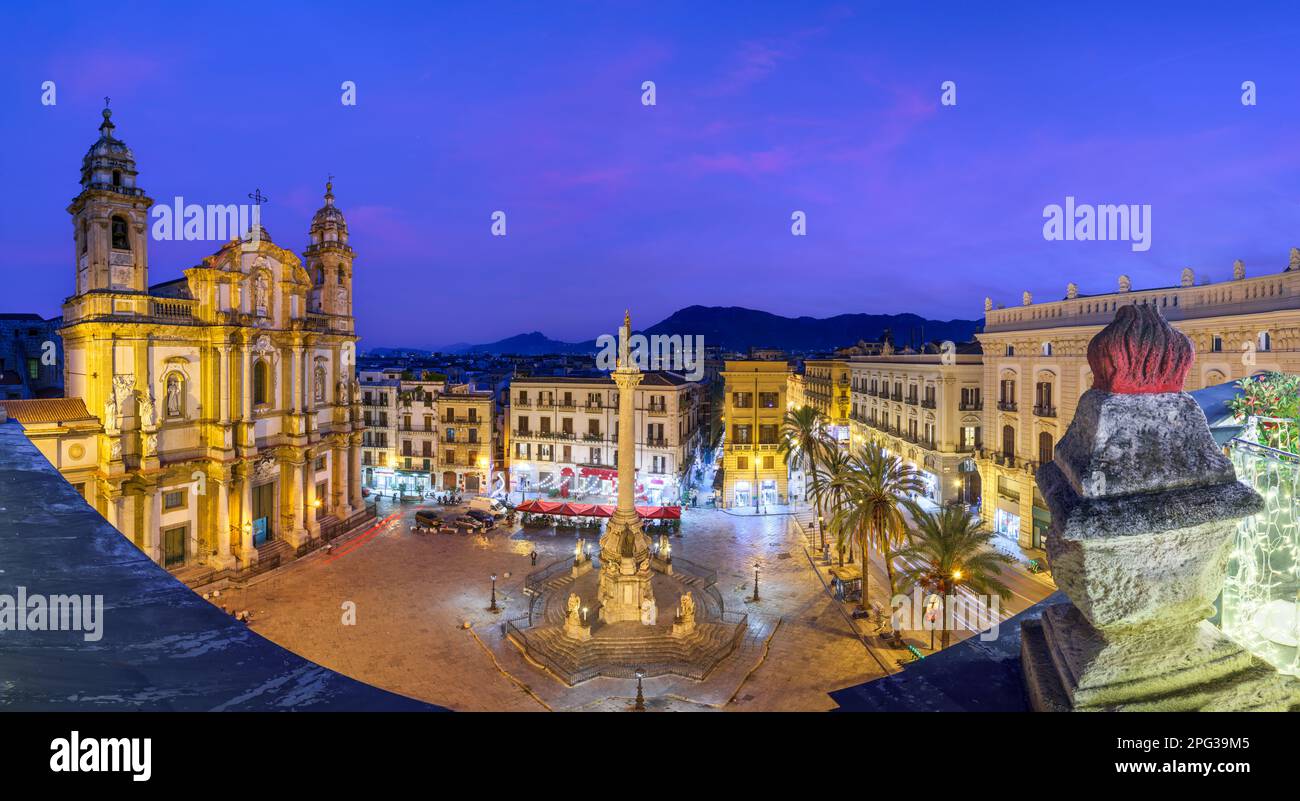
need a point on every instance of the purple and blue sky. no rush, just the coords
(534, 109)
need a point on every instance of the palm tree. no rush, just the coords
(876, 485)
(948, 551)
(803, 441)
(835, 490)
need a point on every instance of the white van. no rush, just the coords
(490, 505)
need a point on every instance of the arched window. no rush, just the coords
(1265, 341)
(1009, 441)
(85, 235)
(261, 383)
(121, 239)
(1047, 349)
(1044, 447)
(117, 177)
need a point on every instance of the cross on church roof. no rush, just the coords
(257, 197)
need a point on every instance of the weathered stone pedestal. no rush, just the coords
(1144, 508)
(624, 570)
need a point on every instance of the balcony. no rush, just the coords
(656, 410)
(1045, 411)
(974, 406)
(911, 400)
(593, 437)
(655, 442)
(1006, 406)
(928, 403)
(523, 403)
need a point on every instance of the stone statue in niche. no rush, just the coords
(173, 395)
(320, 385)
(261, 292)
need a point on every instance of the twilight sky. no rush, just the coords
(763, 109)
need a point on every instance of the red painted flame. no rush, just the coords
(1139, 352)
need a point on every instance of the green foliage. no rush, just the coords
(1271, 395)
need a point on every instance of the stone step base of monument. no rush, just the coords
(555, 597)
(621, 649)
(1067, 667)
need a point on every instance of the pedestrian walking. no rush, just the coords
(533, 556)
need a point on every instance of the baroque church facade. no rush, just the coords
(228, 415)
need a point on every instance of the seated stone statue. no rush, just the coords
(687, 608)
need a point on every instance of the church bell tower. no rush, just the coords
(329, 260)
(110, 218)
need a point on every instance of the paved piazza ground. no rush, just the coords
(413, 592)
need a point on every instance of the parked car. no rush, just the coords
(489, 522)
(426, 520)
(467, 523)
(492, 506)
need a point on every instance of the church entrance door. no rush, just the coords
(263, 513)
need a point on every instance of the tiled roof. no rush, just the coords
(46, 410)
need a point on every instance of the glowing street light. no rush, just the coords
(494, 608)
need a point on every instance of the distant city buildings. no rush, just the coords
(31, 357)
(563, 434)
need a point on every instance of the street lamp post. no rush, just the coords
(640, 696)
(494, 608)
(755, 598)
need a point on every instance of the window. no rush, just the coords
(1011, 350)
(1265, 341)
(769, 462)
(1044, 447)
(322, 491)
(175, 499)
(1047, 349)
(742, 400)
(320, 463)
(767, 434)
(768, 400)
(261, 383)
(121, 237)
(1009, 442)
(742, 462)
(1216, 344)
(117, 177)
(741, 434)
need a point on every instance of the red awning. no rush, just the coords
(597, 510)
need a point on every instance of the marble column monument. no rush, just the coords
(625, 549)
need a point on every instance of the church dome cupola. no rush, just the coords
(109, 164)
(328, 225)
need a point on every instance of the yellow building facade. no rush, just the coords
(222, 416)
(1036, 368)
(754, 474)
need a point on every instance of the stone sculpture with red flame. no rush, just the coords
(1144, 507)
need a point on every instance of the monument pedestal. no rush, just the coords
(1071, 665)
(577, 631)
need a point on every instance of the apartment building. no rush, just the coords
(465, 455)
(564, 434)
(826, 389)
(379, 392)
(754, 474)
(1036, 368)
(924, 408)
